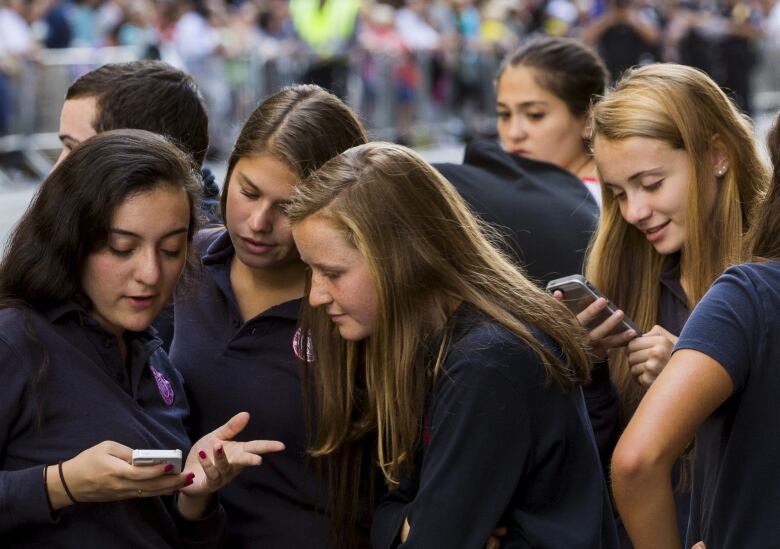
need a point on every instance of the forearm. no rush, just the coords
(23, 497)
(645, 502)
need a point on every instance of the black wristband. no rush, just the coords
(62, 479)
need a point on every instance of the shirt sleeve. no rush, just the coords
(22, 493)
(473, 460)
(205, 532)
(727, 325)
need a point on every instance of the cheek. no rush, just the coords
(102, 278)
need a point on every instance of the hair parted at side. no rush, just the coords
(684, 108)
(424, 250)
(70, 216)
(147, 95)
(302, 126)
(764, 237)
(567, 67)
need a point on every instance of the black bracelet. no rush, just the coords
(62, 479)
(46, 487)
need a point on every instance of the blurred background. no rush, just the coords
(418, 72)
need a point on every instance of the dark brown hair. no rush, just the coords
(764, 236)
(147, 95)
(70, 218)
(566, 67)
(302, 126)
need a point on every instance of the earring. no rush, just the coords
(721, 171)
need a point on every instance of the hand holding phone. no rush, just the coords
(155, 457)
(579, 293)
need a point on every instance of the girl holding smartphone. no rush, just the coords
(721, 384)
(680, 173)
(429, 342)
(92, 262)
(235, 336)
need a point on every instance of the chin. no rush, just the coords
(353, 334)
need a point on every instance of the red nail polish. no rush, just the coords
(219, 450)
(168, 468)
(188, 482)
(202, 454)
(190, 476)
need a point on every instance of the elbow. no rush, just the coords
(637, 467)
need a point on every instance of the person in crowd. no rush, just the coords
(544, 92)
(680, 172)
(91, 263)
(145, 95)
(427, 339)
(234, 336)
(720, 384)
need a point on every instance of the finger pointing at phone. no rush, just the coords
(649, 354)
(216, 459)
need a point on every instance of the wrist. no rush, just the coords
(58, 498)
(193, 507)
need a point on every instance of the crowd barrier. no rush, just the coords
(420, 99)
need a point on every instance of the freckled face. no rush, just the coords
(340, 281)
(131, 278)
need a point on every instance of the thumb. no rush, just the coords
(699, 545)
(233, 426)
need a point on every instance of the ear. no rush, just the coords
(587, 125)
(720, 159)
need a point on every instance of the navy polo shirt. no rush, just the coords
(90, 395)
(501, 446)
(232, 366)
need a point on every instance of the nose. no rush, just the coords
(261, 219)
(636, 209)
(517, 130)
(147, 270)
(318, 293)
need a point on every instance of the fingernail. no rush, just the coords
(168, 468)
(190, 476)
(219, 450)
(202, 454)
(188, 482)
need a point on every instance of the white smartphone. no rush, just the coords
(578, 293)
(155, 457)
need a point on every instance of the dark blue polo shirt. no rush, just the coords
(501, 447)
(90, 395)
(232, 366)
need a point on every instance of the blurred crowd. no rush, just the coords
(389, 59)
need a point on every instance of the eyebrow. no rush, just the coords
(123, 232)
(524, 103)
(248, 181)
(642, 173)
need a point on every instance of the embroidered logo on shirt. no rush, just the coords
(297, 345)
(164, 386)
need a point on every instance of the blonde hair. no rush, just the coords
(685, 109)
(425, 251)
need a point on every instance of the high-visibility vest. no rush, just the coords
(324, 29)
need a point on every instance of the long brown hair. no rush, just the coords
(764, 236)
(685, 109)
(425, 250)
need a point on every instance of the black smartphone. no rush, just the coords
(578, 293)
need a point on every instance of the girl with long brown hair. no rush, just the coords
(428, 340)
(680, 172)
(720, 385)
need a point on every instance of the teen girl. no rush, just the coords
(721, 384)
(428, 340)
(82, 380)
(544, 91)
(680, 172)
(234, 337)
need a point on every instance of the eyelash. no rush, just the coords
(128, 253)
(653, 186)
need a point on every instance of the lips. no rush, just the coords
(256, 246)
(656, 233)
(655, 229)
(141, 301)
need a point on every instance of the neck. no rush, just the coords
(583, 166)
(287, 277)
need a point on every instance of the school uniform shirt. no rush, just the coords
(89, 395)
(546, 214)
(232, 366)
(500, 447)
(736, 487)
